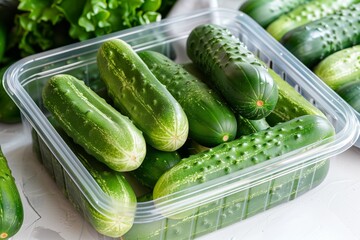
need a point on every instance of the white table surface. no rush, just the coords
(331, 211)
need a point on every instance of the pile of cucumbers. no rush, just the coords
(323, 34)
(225, 101)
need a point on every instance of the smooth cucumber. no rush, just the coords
(211, 121)
(9, 112)
(137, 93)
(351, 94)
(291, 104)
(306, 13)
(316, 40)
(232, 69)
(265, 12)
(94, 124)
(11, 208)
(243, 152)
(340, 68)
(156, 162)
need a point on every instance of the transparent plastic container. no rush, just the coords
(217, 203)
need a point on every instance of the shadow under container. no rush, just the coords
(215, 204)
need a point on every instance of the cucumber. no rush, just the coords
(94, 124)
(351, 94)
(9, 112)
(340, 68)
(306, 13)
(318, 39)
(156, 162)
(246, 126)
(11, 208)
(211, 121)
(137, 93)
(233, 70)
(265, 12)
(113, 184)
(291, 104)
(241, 153)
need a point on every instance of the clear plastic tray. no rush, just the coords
(218, 203)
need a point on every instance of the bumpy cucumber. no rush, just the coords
(291, 104)
(138, 94)
(11, 208)
(243, 152)
(94, 124)
(351, 94)
(156, 162)
(211, 121)
(340, 68)
(265, 12)
(246, 126)
(306, 13)
(233, 69)
(9, 112)
(113, 184)
(318, 39)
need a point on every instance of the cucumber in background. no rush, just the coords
(351, 94)
(340, 68)
(306, 13)
(265, 12)
(316, 40)
(9, 112)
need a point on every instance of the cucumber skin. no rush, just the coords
(211, 121)
(233, 69)
(306, 13)
(138, 94)
(243, 152)
(315, 41)
(291, 104)
(340, 68)
(9, 112)
(265, 12)
(11, 208)
(94, 124)
(351, 94)
(156, 162)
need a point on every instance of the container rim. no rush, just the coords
(146, 212)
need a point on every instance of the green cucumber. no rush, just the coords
(233, 70)
(94, 124)
(211, 121)
(291, 104)
(11, 208)
(306, 13)
(247, 126)
(9, 112)
(316, 40)
(137, 93)
(351, 94)
(114, 223)
(241, 153)
(340, 68)
(265, 12)
(156, 162)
